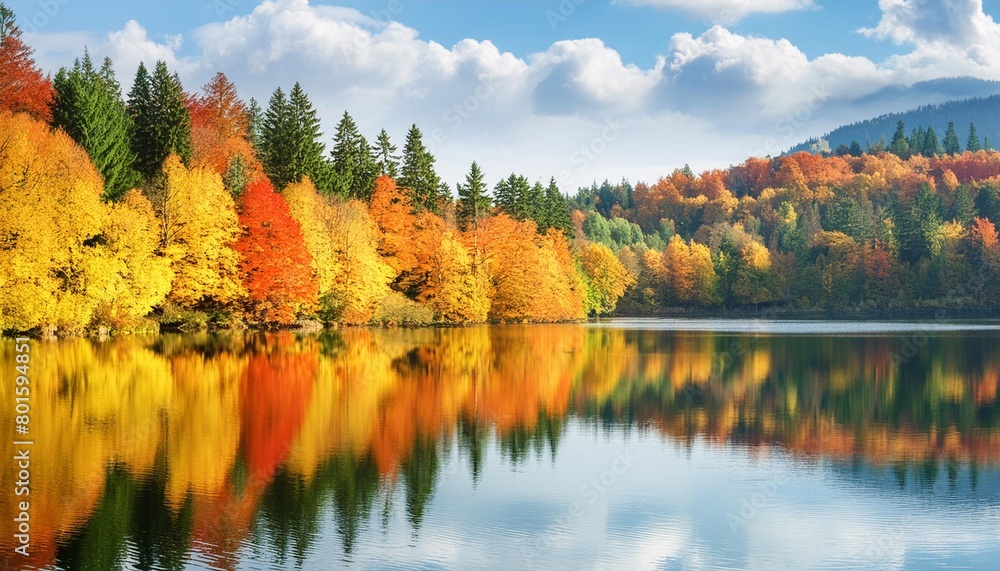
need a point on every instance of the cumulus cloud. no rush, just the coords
(950, 37)
(727, 11)
(710, 100)
(771, 75)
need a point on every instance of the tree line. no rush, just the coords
(195, 207)
(200, 207)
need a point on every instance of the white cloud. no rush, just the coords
(727, 11)
(771, 76)
(709, 101)
(949, 37)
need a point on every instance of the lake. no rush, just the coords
(622, 444)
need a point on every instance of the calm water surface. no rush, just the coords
(632, 444)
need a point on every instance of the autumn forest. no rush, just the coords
(162, 207)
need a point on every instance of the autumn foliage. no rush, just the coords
(23, 88)
(275, 265)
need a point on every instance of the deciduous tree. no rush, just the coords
(275, 265)
(23, 88)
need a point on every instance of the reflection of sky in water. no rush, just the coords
(676, 508)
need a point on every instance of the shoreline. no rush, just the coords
(307, 327)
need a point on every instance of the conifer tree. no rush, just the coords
(973, 143)
(952, 145)
(354, 168)
(385, 156)
(290, 141)
(418, 175)
(898, 146)
(557, 209)
(162, 122)
(88, 106)
(473, 203)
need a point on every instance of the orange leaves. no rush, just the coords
(23, 88)
(274, 264)
(220, 130)
(984, 234)
(530, 274)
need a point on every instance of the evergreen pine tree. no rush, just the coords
(952, 146)
(973, 142)
(898, 146)
(290, 141)
(557, 209)
(385, 156)
(932, 145)
(511, 195)
(473, 203)
(162, 122)
(255, 123)
(856, 150)
(354, 169)
(964, 206)
(88, 106)
(418, 175)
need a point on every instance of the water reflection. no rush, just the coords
(213, 450)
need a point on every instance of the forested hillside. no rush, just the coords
(984, 112)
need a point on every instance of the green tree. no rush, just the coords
(385, 155)
(512, 195)
(255, 123)
(919, 223)
(162, 122)
(932, 145)
(964, 206)
(898, 146)
(290, 141)
(418, 175)
(354, 168)
(88, 106)
(952, 145)
(973, 143)
(473, 202)
(557, 209)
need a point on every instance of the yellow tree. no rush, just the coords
(752, 283)
(704, 279)
(315, 216)
(50, 197)
(365, 276)
(679, 270)
(137, 278)
(198, 229)
(343, 241)
(456, 291)
(562, 290)
(607, 278)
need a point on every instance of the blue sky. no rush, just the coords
(579, 89)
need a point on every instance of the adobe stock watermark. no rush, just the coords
(562, 12)
(47, 11)
(455, 116)
(754, 502)
(914, 343)
(588, 153)
(793, 121)
(591, 492)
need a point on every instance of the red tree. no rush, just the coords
(23, 88)
(274, 262)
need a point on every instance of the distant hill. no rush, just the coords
(983, 111)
